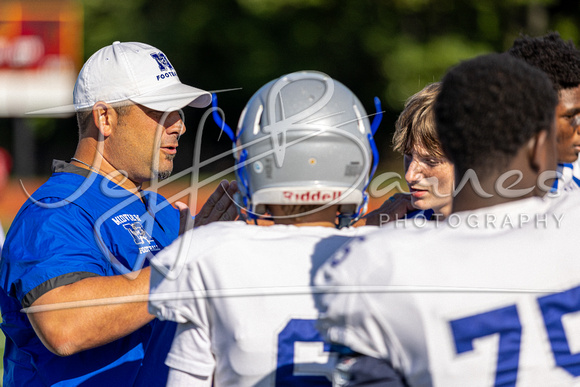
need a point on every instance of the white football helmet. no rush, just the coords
(305, 138)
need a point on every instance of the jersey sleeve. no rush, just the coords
(191, 352)
(179, 378)
(47, 248)
(177, 289)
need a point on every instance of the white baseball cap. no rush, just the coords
(130, 71)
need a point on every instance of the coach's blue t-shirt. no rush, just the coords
(79, 225)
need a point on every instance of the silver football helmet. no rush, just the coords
(304, 138)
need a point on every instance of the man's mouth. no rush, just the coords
(418, 192)
(169, 149)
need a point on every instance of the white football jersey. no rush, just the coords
(243, 294)
(486, 298)
(569, 176)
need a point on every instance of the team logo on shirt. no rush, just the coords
(140, 236)
(133, 224)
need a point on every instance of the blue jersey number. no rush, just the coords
(554, 307)
(294, 333)
(506, 322)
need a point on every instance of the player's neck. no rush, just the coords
(496, 190)
(468, 200)
(444, 211)
(304, 223)
(315, 224)
(322, 217)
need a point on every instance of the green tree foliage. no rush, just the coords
(388, 48)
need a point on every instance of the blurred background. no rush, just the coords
(390, 49)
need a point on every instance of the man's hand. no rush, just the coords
(185, 218)
(220, 205)
(393, 208)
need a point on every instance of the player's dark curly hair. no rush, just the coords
(550, 53)
(488, 108)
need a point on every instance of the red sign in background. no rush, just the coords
(40, 34)
(40, 53)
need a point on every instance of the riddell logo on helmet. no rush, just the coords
(311, 196)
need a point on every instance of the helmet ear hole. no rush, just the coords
(258, 119)
(359, 120)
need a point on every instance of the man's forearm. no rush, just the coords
(91, 312)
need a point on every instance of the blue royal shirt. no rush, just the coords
(79, 225)
(427, 214)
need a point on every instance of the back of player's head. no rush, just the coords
(415, 126)
(304, 139)
(488, 108)
(559, 59)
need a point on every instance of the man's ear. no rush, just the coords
(541, 152)
(105, 118)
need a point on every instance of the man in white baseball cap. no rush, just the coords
(130, 71)
(85, 237)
